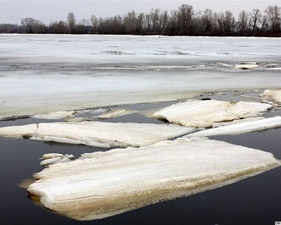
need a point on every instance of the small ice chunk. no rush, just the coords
(52, 155)
(104, 184)
(241, 128)
(274, 95)
(52, 158)
(247, 66)
(100, 134)
(202, 114)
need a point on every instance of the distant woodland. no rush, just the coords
(183, 21)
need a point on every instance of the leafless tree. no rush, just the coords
(274, 18)
(32, 25)
(71, 21)
(243, 23)
(184, 19)
(255, 20)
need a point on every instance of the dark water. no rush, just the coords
(254, 201)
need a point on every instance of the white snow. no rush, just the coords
(196, 113)
(100, 134)
(241, 128)
(103, 184)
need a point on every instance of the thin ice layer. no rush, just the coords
(103, 184)
(241, 128)
(99, 134)
(197, 113)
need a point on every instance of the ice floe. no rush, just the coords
(274, 95)
(100, 134)
(195, 113)
(103, 184)
(247, 66)
(240, 128)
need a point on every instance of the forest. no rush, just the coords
(184, 21)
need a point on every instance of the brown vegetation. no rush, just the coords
(183, 21)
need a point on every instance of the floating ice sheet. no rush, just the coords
(103, 184)
(241, 128)
(204, 113)
(100, 134)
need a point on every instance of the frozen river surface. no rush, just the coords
(35, 70)
(48, 73)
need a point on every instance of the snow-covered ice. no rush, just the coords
(241, 128)
(103, 184)
(46, 73)
(100, 134)
(201, 114)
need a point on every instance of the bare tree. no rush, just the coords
(31, 25)
(130, 22)
(207, 21)
(58, 27)
(184, 19)
(71, 21)
(243, 23)
(94, 23)
(274, 18)
(255, 20)
(140, 24)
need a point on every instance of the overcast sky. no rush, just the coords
(12, 11)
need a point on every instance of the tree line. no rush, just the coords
(182, 21)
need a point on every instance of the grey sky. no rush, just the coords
(12, 11)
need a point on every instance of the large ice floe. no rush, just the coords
(103, 184)
(202, 114)
(99, 134)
